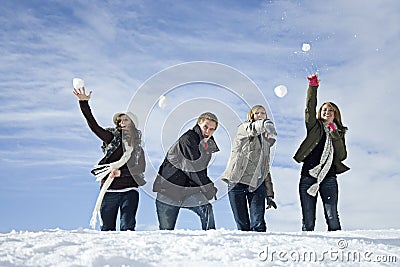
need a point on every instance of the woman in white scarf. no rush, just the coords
(120, 171)
(321, 153)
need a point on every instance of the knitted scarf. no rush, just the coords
(319, 172)
(112, 146)
(101, 171)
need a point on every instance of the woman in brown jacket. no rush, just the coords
(322, 153)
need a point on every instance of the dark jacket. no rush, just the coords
(130, 177)
(184, 169)
(315, 131)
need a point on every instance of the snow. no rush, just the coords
(78, 83)
(163, 102)
(220, 247)
(306, 47)
(280, 90)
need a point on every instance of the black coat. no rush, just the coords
(130, 177)
(184, 169)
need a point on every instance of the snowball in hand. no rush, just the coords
(306, 47)
(280, 91)
(163, 102)
(78, 83)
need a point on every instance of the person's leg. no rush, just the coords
(167, 215)
(329, 195)
(206, 214)
(128, 208)
(256, 202)
(308, 203)
(238, 202)
(196, 203)
(109, 211)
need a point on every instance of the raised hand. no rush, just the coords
(81, 94)
(313, 80)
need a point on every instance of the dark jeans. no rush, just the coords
(127, 203)
(167, 212)
(249, 218)
(329, 195)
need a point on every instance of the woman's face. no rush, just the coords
(327, 113)
(259, 114)
(125, 121)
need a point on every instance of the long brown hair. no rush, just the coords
(132, 135)
(338, 116)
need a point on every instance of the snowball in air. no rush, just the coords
(280, 91)
(306, 47)
(163, 101)
(78, 83)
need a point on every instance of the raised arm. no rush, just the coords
(83, 98)
(311, 101)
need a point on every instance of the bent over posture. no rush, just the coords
(182, 180)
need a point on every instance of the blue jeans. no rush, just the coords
(127, 203)
(168, 210)
(249, 218)
(329, 194)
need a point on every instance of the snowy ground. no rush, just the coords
(199, 248)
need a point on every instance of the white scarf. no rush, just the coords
(324, 165)
(102, 171)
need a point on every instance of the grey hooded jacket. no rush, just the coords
(250, 155)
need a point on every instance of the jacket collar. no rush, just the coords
(212, 145)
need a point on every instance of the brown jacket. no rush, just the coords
(315, 131)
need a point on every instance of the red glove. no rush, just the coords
(332, 126)
(313, 80)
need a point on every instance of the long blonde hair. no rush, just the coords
(338, 116)
(253, 110)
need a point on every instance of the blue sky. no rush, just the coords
(47, 150)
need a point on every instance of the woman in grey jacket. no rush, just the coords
(248, 171)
